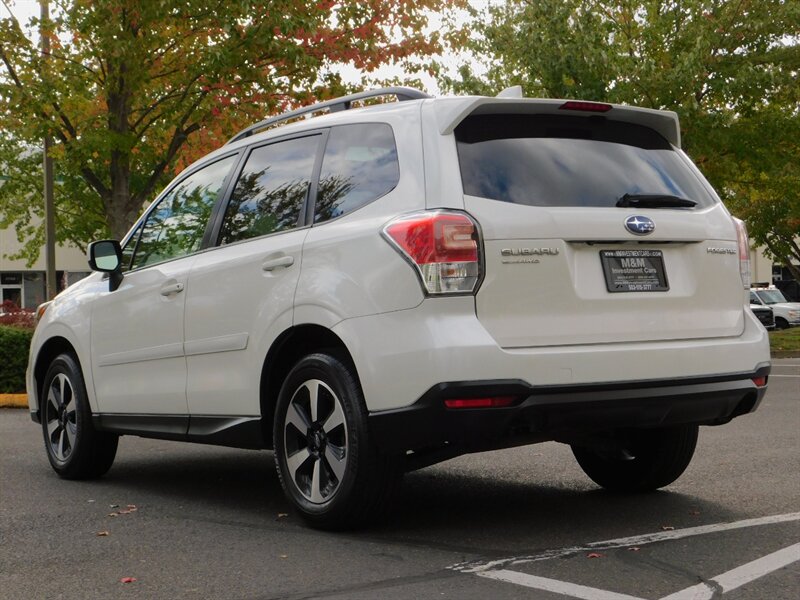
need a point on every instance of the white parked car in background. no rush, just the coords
(787, 314)
(375, 290)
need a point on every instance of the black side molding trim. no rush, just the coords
(236, 432)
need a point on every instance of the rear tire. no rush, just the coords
(74, 448)
(781, 323)
(328, 466)
(649, 459)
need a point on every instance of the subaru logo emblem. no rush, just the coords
(639, 225)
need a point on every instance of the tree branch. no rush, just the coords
(179, 137)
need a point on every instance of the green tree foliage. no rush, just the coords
(133, 90)
(730, 68)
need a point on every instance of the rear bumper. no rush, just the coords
(561, 412)
(399, 356)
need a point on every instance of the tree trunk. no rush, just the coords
(118, 205)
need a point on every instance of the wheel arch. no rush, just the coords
(50, 349)
(288, 348)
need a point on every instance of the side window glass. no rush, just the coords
(128, 248)
(271, 191)
(176, 226)
(360, 165)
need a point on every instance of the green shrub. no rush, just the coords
(14, 345)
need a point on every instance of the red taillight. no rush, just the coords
(744, 252)
(494, 402)
(760, 381)
(443, 246)
(585, 106)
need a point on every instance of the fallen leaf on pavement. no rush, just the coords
(594, 555)
(634, 549)
(102, 534)
(667, 528)
(131, 506)
(113, 506)
(127, 580)
(284, 556)
(113, 514)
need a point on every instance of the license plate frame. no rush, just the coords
(634, 271)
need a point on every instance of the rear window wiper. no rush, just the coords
(654, 201)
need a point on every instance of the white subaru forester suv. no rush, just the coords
(375, 290)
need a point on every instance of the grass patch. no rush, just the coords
(785, 341)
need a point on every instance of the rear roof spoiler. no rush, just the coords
(451, 111)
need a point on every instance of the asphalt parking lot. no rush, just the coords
(193, 521)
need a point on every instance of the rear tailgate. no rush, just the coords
(561, 267)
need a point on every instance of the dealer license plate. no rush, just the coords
(634, 270)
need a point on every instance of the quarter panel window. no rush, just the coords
(271, 190)
(360, 165)
(175, 227)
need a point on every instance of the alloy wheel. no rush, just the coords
(316, 441)
(61, 417)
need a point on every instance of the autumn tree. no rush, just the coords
(730, 68)
(132, 90)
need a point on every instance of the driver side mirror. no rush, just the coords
(105, 256)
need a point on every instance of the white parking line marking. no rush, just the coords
(636, 540)
(739, 576)
(553, 585)
(794, 376)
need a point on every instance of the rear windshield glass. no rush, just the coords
(552, 160)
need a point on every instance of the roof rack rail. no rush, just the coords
(335, 105)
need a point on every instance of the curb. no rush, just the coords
(13, 400)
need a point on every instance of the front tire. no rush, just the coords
(327, 464)
(74, 448)
(646, 461)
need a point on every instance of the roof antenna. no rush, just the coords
(511, 92)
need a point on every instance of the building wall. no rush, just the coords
(25, 286)
(760, 266)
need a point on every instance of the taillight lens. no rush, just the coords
(744, 252)
(443, 246)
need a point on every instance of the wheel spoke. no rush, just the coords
(336, 462)
(316, 485)
(71, 430)
(61, 449)
(52, 428)
(63, 381)
(296, 460)
(335, 419)
(52, 399)
(313, 398)
(297, 417)
(69, 400)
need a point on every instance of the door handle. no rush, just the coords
(276, 263)
(171, 288)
